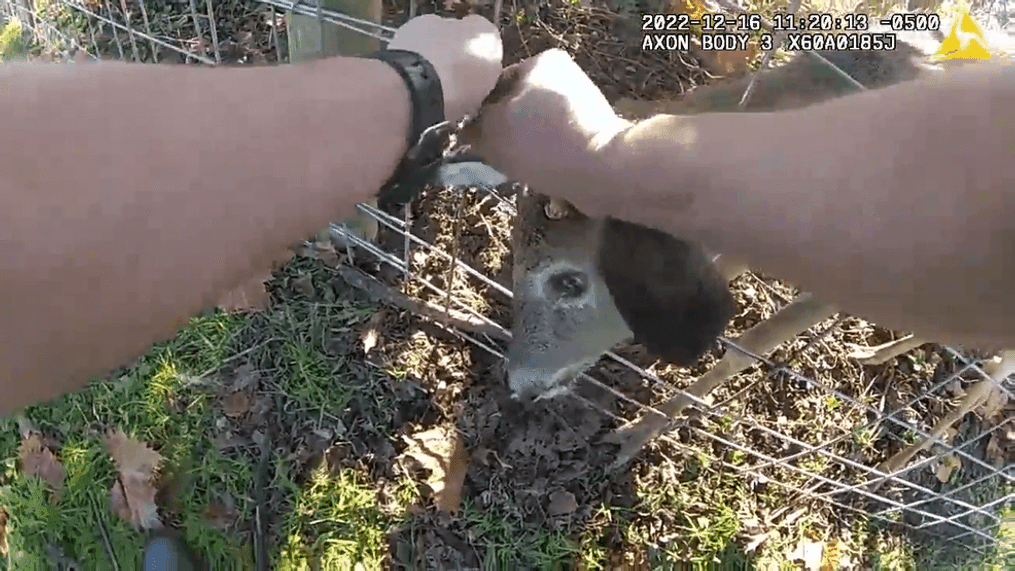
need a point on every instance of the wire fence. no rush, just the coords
(821, 463)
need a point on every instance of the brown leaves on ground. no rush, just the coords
(38, 460)
(222, 513)
(241, 401)
(946, 467)
(133, 493)
(1001, 446)
(440, 452)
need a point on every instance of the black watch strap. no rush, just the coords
(425, 143)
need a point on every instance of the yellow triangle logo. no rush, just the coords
(966, 41)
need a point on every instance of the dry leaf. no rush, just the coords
(994, 454)
(222, 514)
(948, 464)
(37, 460)
(228, 440)
(133, 493)
(450, 498)
(754, 542)
(809, 553)
(562, 502)
(994, 403)
(441, 452)
(236, 404)
(371, 334)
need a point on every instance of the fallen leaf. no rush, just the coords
(809, 553)
(948, 464)
(729, 62)
(754, 542)
(259, 408)
(451, 497)
(562, 502)
(37, 460)
(995, 402)
(221, 514)
(236, 404)
(955, 388)
(441, 452)
(994, 454)
(133, 494)
(371, 333)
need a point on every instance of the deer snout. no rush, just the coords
(530, 384)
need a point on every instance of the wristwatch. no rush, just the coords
(428, 125)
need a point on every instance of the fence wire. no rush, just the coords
(966, 513)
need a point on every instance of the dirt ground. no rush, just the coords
(545, 466)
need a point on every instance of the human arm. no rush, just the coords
(135, 195)
(891, 204)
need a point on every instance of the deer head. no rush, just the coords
(583, 285)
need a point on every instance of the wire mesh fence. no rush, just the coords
(956, 480)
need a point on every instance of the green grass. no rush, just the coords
(342, 513)
(13, 41)
(157, 402)
(139, 403)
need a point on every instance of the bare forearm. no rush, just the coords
(195, 180)
(896, 204)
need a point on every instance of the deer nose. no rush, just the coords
(526, 384)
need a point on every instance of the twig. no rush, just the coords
(381, 293)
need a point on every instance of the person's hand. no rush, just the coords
(544, 118)
(466, 53)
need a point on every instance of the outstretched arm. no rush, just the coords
(897, 204)
(136, 195)
(127, 210)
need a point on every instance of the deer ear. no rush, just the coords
(669, 293)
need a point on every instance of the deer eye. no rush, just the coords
(568, 284)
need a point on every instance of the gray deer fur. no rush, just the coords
(634, 282)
